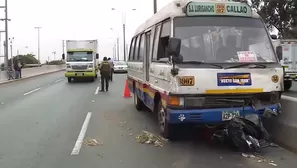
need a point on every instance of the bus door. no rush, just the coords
(146, 60)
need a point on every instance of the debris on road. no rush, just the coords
(273, 164)
(149, 138)
(246, 155)
(92, 142)
(246, 135)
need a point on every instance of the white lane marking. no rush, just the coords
(289, 98)
(34, 90)
(81, 135)
(97, 90)
(58, 80)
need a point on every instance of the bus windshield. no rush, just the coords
(79, 56)
(223, 39)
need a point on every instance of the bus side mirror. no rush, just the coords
(279, 52)
(63, 56)
(174, 45)
(97, 56)
(273, 36)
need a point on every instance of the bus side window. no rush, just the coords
(141, 48)
(163, 44)
(136, 51)
(156, 43)
(132, 47)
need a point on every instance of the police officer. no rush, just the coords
(105, 70)
(111, 66)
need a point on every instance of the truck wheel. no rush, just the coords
(167, 130)
(92, 79)
(287, 85)
(137, 102)
(69, 80)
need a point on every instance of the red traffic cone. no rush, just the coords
(127, 93)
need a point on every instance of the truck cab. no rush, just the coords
(81, 60)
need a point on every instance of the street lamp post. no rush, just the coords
(116, 44)
(0, 45)
(38, 31)
(11, 51)
(124, 31)
(54, 52)
(155, 6)
(6, 34)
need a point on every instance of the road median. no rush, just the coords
(283, 128)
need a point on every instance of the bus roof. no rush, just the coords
(175, 9)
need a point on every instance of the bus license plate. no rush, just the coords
(228, 115)
(186, 80)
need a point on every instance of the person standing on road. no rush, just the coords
(20, 65)
(105, 71)
(16, 69)
(111, 68)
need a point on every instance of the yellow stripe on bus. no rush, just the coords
(222, 91)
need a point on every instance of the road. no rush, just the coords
(42, 120)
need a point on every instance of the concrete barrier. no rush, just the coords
(283, 128)
(32, 72)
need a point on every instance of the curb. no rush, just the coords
(29, 77)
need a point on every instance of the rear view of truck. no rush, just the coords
(289, 60)
(81, 59)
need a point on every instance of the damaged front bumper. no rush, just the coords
(217, 115)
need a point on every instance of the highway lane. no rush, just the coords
(41, 129)
(12, 91)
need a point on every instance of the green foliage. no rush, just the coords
(56, 62)
(25, 59)
(282, 14)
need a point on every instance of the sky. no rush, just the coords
(72, 20)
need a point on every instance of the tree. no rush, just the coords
(281, 14)
(25, 59)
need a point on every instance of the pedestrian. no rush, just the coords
(111, 67)
(105, 71)
(16, 69)
(20, 65)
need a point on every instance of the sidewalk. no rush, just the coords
(30, 72)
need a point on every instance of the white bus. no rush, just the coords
(204, 63)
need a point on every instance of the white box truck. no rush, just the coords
(289, 60)
(81, 59)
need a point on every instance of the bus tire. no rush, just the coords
(167, 130)
(137, 102)
(69, 80)
(287, 85)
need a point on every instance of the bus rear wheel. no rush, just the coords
(137, 102)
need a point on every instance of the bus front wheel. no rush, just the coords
(168, 131)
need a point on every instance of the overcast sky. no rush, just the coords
(72, 19)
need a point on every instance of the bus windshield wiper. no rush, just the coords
(249, 65)
(202, 62)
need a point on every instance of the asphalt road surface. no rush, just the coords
(43, 121)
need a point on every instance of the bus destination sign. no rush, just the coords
(227, 9)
